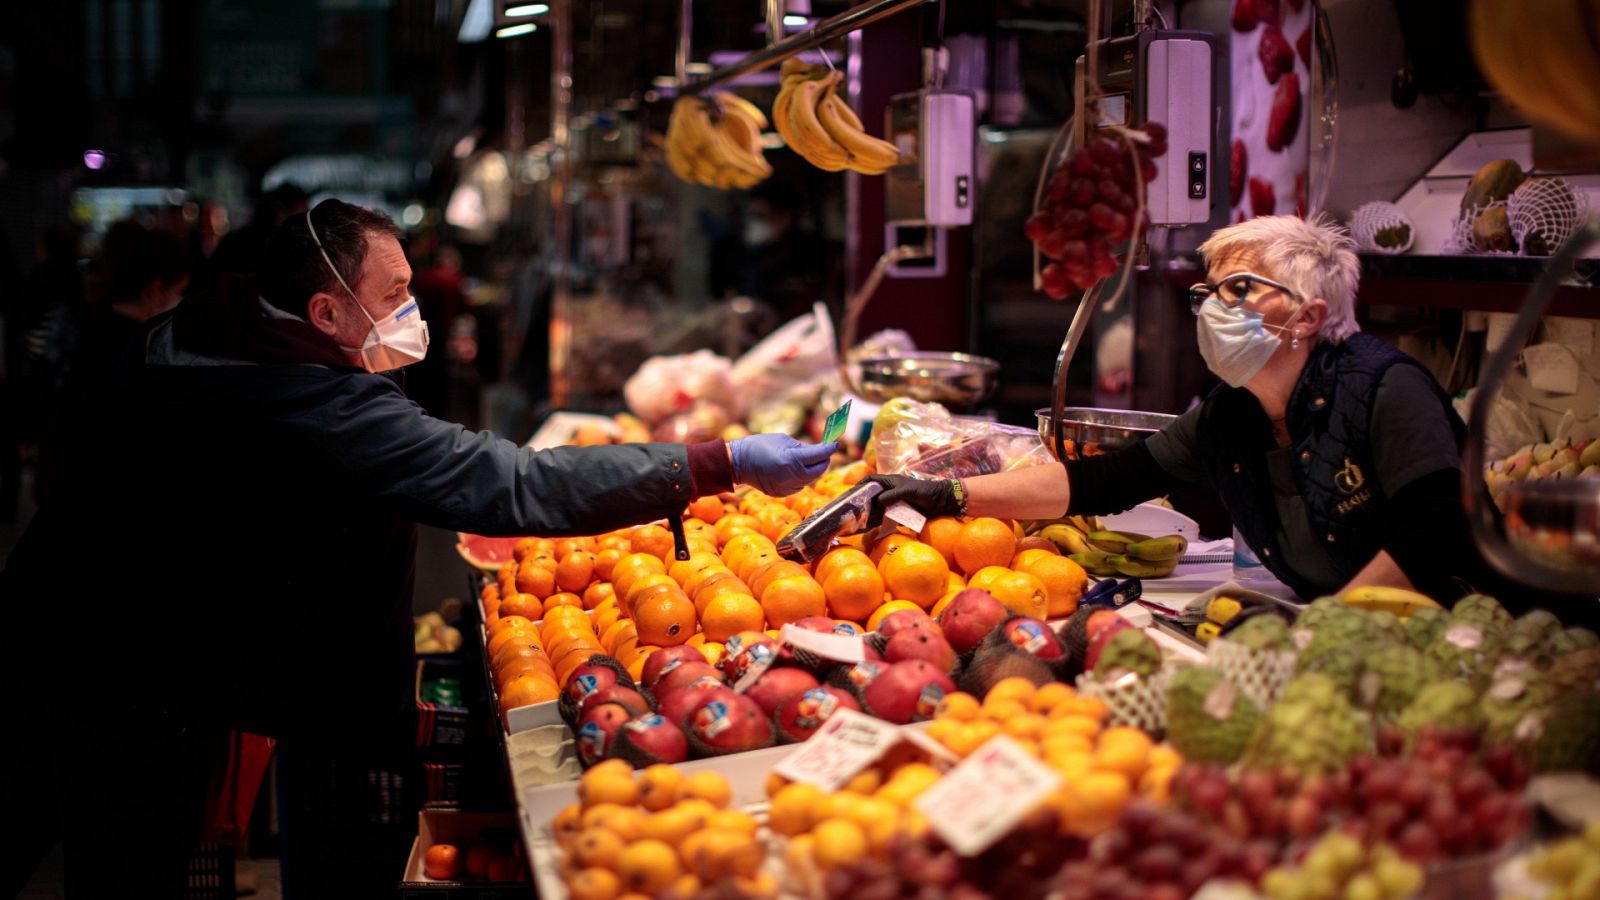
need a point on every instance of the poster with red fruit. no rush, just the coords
(1271, 64)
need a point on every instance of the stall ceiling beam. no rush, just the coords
(853, 19)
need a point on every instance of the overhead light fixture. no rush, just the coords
(698, 68)
(94, 159)
(515, 30)
(477, 22)
(796, 21)
(664, 81)
(526, 9)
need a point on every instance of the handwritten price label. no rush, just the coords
(982, 799)
(828, 645)
(847, 743)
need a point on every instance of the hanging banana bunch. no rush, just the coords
(817, 124)
(716, 141)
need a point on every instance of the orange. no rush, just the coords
(713, 652)
(754, 561)
(1022, 593)
(853, 591)
(734, 549)
(944, 602)
(734, 525)
(605, 615)
(707, 509)
(542, 559)
(887, 608)
(513, 651)
(524, 548)
(605, 562)
(681, 569)
(916, 572)
(1064, 581)
(652, 539)
(791, 599)
(598, 593)
(665, 619)
(565, 546)
(728, 587)
(985, 542)
(622, 628)
(523, 665)
(562, 599)
(940, 534)
(616, 540)
(887, 546)
(729, 614)
(772, 571)
(575, 571)
(639, 586)
(571, 662)
(498, 637)
(776, 521)
(526, 605)
(838, 557)
(956, 582)
(632, 566)
(525, 690)
(986, 576)
(1026, 558)
(512, 623)
(535, 580)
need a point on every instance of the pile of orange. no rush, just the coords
(1102, 768)
(626, 594)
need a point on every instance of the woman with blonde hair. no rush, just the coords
(1336, 454)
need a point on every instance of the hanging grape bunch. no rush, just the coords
(1091, 205)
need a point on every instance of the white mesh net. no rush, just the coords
(1261, 674)
(1489, 237)
(1135, 701)
(1382, 228)
(1543, 213)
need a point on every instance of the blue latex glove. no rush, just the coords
(777, 464)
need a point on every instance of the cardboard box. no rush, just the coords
(463, 829)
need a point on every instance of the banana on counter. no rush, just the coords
(1107, 553)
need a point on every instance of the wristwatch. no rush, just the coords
(959, 492)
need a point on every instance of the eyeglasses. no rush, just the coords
(1233, 291)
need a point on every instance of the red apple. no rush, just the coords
(908, 691)
(778, 684)
(970, 617)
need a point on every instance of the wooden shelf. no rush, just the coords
(1487, 283)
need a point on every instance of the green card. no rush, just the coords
(834, 426)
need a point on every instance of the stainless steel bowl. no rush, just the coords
(950, 378)
(1110, 429)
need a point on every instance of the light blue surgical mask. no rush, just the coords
(1236, 343)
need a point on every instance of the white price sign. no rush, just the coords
(982, 799)
(845, 744)
(828, 645)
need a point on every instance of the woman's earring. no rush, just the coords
(1295, 344)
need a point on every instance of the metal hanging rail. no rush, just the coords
(829, 29)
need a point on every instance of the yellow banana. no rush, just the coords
(1166, 547)
(1376, 598)
(1114, 541)
(740, 144)
(1094, 562)
(868, 155)
(810, 139)
(1141, 568)
(1066, 537)
(733, 104)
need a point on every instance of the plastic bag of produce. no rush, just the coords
(796, 356)
(665, 385)
(905, 429)
(981, 448)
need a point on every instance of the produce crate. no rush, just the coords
(461, 829)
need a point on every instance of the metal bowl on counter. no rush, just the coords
(1109, 429)
(954, 379)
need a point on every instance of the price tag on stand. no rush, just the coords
(845, 744)
(982, 799)
(832, 645)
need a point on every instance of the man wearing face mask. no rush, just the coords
(1335, 454)
(231, 548)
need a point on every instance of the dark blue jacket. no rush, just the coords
(231, 544)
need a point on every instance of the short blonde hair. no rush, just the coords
(1315, 256)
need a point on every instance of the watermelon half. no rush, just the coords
(485, 553)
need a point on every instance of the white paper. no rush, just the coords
(907, 516)
(1499, 326)
(845, 744)
(832, 645)
(982, 799)
(1552, 368)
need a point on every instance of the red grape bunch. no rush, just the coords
(1089, 207)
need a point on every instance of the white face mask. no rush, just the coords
(1235, 342)
(399, 340)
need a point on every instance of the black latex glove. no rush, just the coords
(931, 498)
